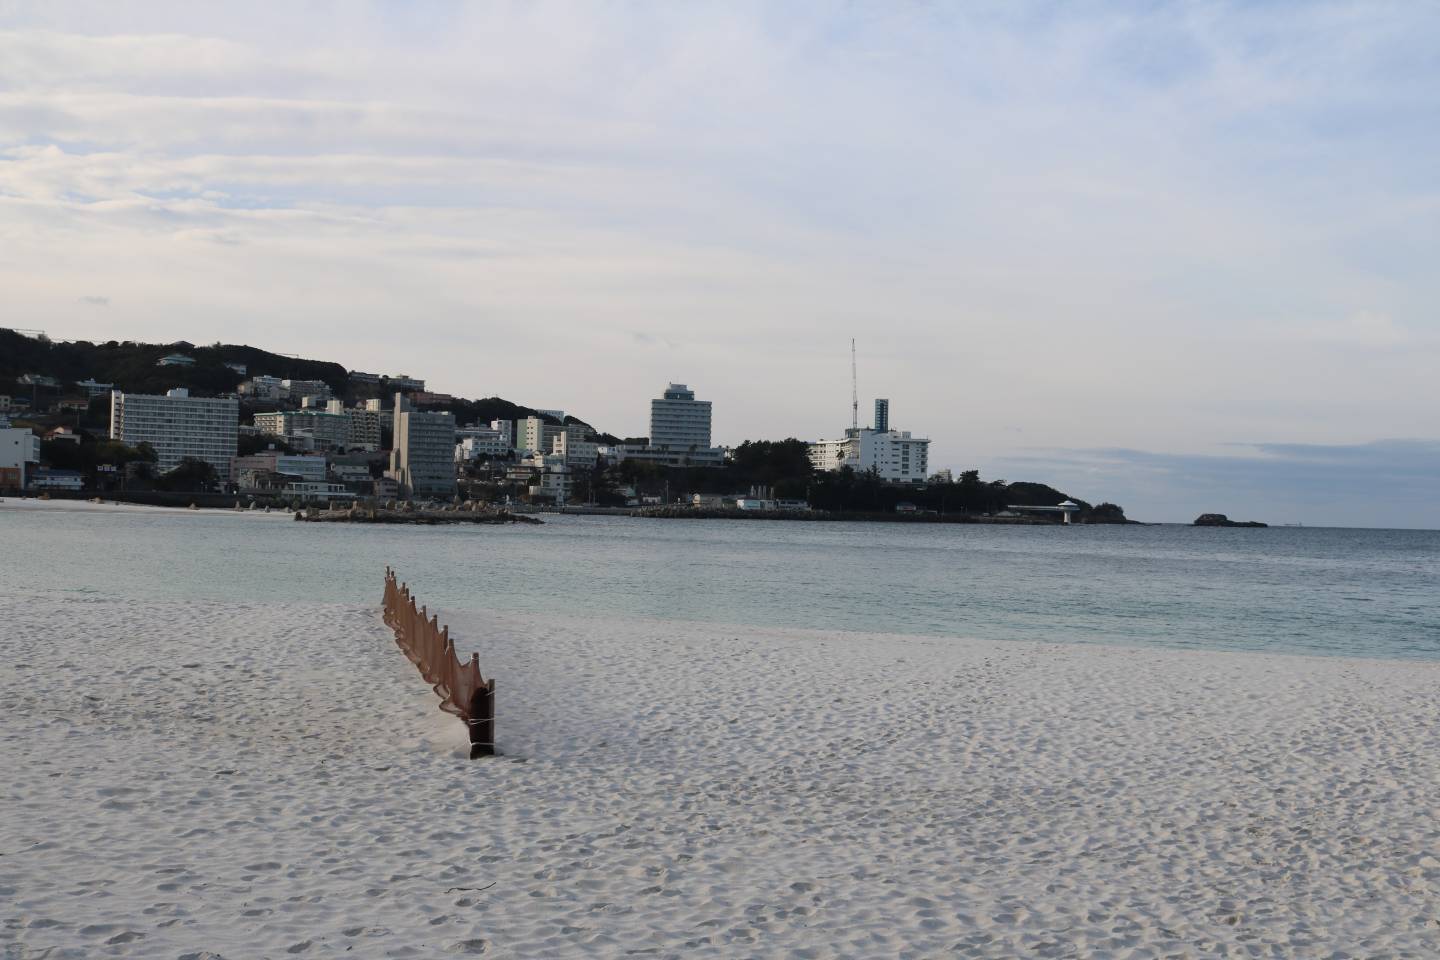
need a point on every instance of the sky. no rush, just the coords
(1179, 256)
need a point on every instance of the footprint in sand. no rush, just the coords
(473, 946)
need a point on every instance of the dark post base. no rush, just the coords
(482, 722)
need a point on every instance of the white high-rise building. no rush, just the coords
(534, 435)
(423, 461)
(678, 420)
(679, 431)
(894, 455)
(177, 426)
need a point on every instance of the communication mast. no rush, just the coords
(854, 391)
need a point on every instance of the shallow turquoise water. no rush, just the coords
(1373, 593)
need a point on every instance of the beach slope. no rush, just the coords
(237, 780)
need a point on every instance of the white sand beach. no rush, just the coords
(204, 780)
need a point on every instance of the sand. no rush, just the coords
(237, 780)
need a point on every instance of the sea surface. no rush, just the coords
(1367, 593)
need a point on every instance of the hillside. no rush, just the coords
(133, 366)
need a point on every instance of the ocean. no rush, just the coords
(1340, 592)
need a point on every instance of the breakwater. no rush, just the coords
(423, 517)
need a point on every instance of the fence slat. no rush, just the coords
(462, 689)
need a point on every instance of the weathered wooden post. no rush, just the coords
(482, 721)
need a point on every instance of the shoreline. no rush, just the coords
(218, 501)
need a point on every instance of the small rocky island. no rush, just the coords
(1220, 520)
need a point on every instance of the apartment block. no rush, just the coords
(423, 461)
(178, 426)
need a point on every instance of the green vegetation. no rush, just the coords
(103, 463)
(190, 475)
(134, 366)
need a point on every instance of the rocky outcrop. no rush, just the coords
(1220, 520)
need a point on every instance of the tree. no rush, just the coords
(1107, 513)
(190, 475)
(251, 443)
(771, 462)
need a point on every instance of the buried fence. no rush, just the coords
(462, 690)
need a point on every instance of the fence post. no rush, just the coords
(432, 649)
(482, 721)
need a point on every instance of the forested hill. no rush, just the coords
(133, 366)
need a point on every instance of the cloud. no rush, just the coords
(1132, 226)
(96, 301)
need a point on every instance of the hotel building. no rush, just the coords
(177, 426)
(423, 461)
(894, 455)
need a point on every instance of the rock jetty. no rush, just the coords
(414, 515)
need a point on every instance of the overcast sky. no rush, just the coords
(1185, 257)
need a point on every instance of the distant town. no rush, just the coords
(223, 428)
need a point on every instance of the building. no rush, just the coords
(46, 479)
(7, 403)
(178, 426)
(19, 450)
(402, 382)
(664, 456)
(302, 466)
(239, 368)
(175, 360)
(894, 455)
(355, 476)
(679, 432)
(93, 389)
(263, 388)
(358, 376)
(363, 424)
(297, 390)
(574, 447)
(262, 481)
(63, 434)
(423, 461)
(480, 441)
(426, 398)
(316, 490)
(678, 420)
(535, 435)
(310, 428)
(365, 427)
(546, 477)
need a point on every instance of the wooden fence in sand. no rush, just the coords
(462, 690)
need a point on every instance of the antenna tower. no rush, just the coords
(854, 391)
